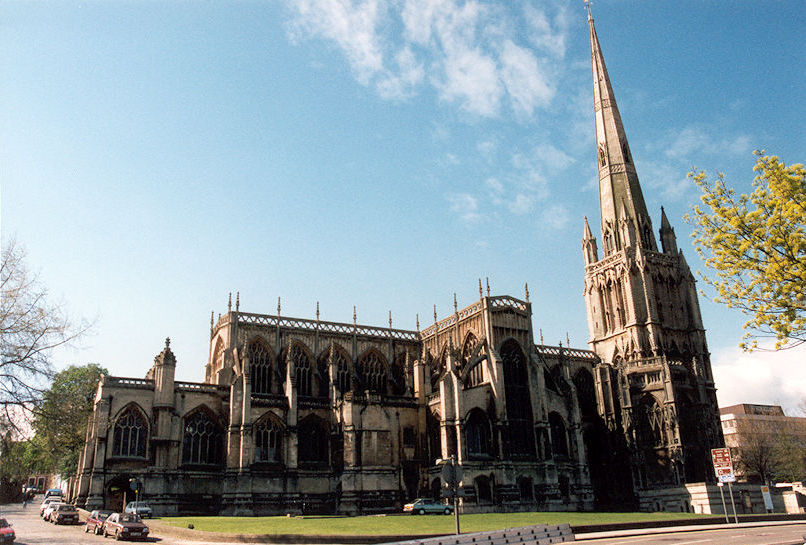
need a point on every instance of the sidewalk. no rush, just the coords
(624, 532)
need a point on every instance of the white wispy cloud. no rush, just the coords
(466, 48)
(465, 205)
(555, 216)
(521, 204)
(352, 26)
(764, 377)
(690, 142)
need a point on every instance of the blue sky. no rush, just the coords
(155, 156)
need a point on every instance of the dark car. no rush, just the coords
(125, 526)
(64, 513)
(95, 521)
(421, 506)
(6, 532)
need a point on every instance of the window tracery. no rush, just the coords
(130, 435)
(268, 435)
(373, 371)
(260, 367)
(203, 440)
(302, 369)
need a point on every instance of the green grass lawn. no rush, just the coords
(406, 524)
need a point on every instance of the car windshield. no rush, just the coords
(102, 515)
(4, 524)
(129, 518)
(66, 508)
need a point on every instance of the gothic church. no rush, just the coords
(307, 416)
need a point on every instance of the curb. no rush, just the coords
(583, 532)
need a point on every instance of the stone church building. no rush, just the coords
(306, 416)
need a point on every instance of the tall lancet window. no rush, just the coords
(268, 435)
(260, 368)
(203, 442)
(131, 432)
(302, 367)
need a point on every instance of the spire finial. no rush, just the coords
(278, 306)
(237, 301)
(455, 304)
(588, 7)
(481, 292)
(435, 314)
(567, 339)
(417, 317)
(526, 286)
(167, 342)
(355, 315)
(229, 303)
(212, 316)
(487, 278)
(390, 319)
(317, 311)
(541, 336)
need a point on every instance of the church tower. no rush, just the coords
(644, 317)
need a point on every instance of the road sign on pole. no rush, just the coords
(723, 467)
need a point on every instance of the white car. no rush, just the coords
(49, 508)
(46, 502)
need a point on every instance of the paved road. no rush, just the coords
(32, 530)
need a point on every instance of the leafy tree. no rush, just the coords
(19, 458)
(61, 417)
(755, 246)
(789, 458)
(755, 455)
(30, 328)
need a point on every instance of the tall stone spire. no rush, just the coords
(622, 202)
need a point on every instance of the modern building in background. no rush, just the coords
(754, 430)
(302, 415)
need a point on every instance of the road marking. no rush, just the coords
(690, 542)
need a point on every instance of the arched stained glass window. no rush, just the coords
(260, 367)
(586, 394)
(302, 367)
(130, 435)
(342, 372)
(203, 441)
(268, 435)
(518, 400)
(478, 434)
(471, 342)
(559, 437)
(373, 370)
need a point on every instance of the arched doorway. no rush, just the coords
(118, 492)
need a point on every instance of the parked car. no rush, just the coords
(139, 508)
(6, 532)
(63, 513)
(124, 526)
(421, 506)
(54, 492)
(95, 520)
(47, 505)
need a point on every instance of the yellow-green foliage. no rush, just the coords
(755, 247)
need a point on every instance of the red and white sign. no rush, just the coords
(723, 465)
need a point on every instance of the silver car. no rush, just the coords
(139, 508)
